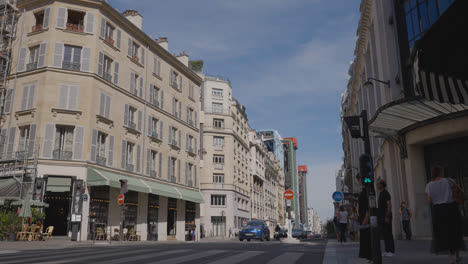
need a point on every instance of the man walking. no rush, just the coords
(384, 218)
(405, 213)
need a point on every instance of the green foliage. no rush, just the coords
(10, 222)
(330, 229)
(37, 215)
(196, 66)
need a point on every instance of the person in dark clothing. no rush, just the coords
(405, 213)
(384, 218)
(365, 250)
(277, 228)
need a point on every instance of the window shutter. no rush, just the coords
(139, 120)
(49, 138)
(149, 126)
(195, 147)
(63, 96)
(110, 158)
(123, 163)
(11, 142)
(32, 92)
(138, 154)
(180, 83)
(3, 133)
(101, 64)
(72, 97)
(188, 114)
(42, 54)
(119, 37)
(86, 60)
(180, 110)
(180, 139)
(178, 172)
(129, 47)
(194, 175)
(103, 28)
(107, 109)
(116, 73)
(132, 83)
(141, 87)
(160, 166)
(161, 101)
(148, 161)
(24, 98)
(159, 67)
(151, 96)
(94, 145)
(45, 23)
(155, 66)
(78, 143)
(89, 25)
(195, 121)
(173, 106)
(186, 173)
(32, 140)
(8, 101)
(126, 115)
(102, 105)
(142, 55)
(161, 129)
(187, 141)
(170, 135)
(58, 55)
(169, 168)
(22, 60)
(61, 17)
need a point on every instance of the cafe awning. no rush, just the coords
(58, 184)
(98, 177)
(191, 195)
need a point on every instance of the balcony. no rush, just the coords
(219, 147)
(69, 65)
(62, 155)
(191, 151)
(101, 160)
(219, 166)
(131, 125)
(129, 167)
(135, 58)
(218, 111)
(31, 66)
(190, 183)
(173, 179)
(37, 28)
(107, 76)
(153, 173)
(109, 40)
(21, 155)
(75, 27)
(174, 144)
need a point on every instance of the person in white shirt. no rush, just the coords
(342, 216)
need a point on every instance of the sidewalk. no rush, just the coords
(415, 251)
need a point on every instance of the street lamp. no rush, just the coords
(370, 85)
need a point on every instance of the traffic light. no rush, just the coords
(366, 169)
(123, 186)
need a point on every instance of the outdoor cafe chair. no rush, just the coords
(48, 233)
(100, 234)
(24, 231)
(31, 232)
(132, 235)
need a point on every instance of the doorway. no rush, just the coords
(453, 155)
(172, 218)
(58, 196)
(218, 226)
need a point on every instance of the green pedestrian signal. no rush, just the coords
(367, 180)
(366, 169)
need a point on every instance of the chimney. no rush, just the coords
(134, 17)
(184, 58)
(163, 43)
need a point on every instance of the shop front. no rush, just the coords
(153, 215)
(98, 210)
(190, 227)
(171, 219)
(58, 195)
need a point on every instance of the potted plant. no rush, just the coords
(12, 224)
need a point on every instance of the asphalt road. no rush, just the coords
(221, 252)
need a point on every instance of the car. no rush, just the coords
(255, 230)
(308, 234)
(283, 233)
(317, 236)
(297, 233)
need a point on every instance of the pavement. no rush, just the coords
(205, 251)
(414, 252)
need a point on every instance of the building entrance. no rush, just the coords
(171, 218)
(58, 196)
(218, 226)
(453, 155)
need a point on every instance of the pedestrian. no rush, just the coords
(353, 224)
(343, 223)
(384, 218)
(365, 250)
(336, 225)
(405, 213)
(230, 232)
(194, 237)
(443, 194)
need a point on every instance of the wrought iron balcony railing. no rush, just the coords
(101, 160)
(31, 66)
(69, 65)
(129, 167)
(62, 155)
(107, 76)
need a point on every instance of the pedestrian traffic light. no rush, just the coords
(123, 186)
(366, 169)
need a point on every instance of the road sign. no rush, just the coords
(244, 222)
(337, 196)
(288, 195)
(120, 199)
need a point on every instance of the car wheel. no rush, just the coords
(241, 239)
(248, 239)
(262, 237)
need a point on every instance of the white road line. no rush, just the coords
(7, 251)
(288, 257)
(190, 257)
(237, 258)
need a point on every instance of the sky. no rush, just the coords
(287, 60)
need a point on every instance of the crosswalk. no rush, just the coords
(151, 255)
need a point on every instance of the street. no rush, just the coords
(226, 252)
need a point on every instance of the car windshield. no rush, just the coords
(297, 230)
(254, 224)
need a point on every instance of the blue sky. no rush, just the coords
(287, 61)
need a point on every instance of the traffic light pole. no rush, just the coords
(375, 241)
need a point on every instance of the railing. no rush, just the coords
(156, 103)
(31, 66)
(69, 65)
(101, 160)
(174, 143)
(21, 155)
(37, 28)
(107, 76)
(190, 183)
(75, 27)
(109, 40)
(129, 167)
(131, 125)
(219, 111)
(219, 166)
(155, 134)
(153, 173)
(62, 155)
(173, 179)
(135, 58)
(219, 147)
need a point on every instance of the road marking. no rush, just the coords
(237, 258)
(286, 258)
(133, 258)
(8, 251)
(190, 257)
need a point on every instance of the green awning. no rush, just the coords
(162, 189)
(58, 184)
(9, 187)
(101, 177)
(190, 195)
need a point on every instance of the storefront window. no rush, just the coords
(131, 202)
(98, 209)
(171, 217)
(153, 213)
(190, 212)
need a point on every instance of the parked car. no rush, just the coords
(283, 233)
(255, 230)
(297, 233)
(317, 236)
(308, 235)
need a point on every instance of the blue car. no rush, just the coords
(255, 230)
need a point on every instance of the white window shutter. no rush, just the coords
(102, 105)
(42, 54)
(119, 38)
(49, 138)
(139, 120)
(138, 160)
(62, 17)
(94, 145)
(24, 98)
(45, 23)
(180, 83)
(178, 171)
(142, 55)
(126, 115)
(32, 92)
(132, 83)
(123, 161)
(161, 102)
(195, 121)
(63, 96)
(180, 139)
(170, 134)
(107, 108)
(130, 47)
(141, 87)
(151, 95)
(148, 161)
(22, 60)
(89, 23)
(110, 158)
(160, 166)
(78, 142)
(58, 54)
(32, 141)
(116, 73)
(103, 28)
(72, 97)
(8, 102)
(180, 110)
(150, 121)
(86, 60)
(155, 69)
(161, 130)
(101, 64)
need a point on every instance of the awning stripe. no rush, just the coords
(442, 88)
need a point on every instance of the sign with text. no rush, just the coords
(288, 195)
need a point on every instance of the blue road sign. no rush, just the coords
(338, 196)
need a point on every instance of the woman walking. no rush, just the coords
(353, 224)
(443, 194)
(343, 222)
(365, 250)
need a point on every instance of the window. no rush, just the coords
(134, 79)
(27, 99)
(172, 167)
(190, 144)
(157, 66)
(153, 161)
(173, 136)
(218, 178)
(190, 115)
(101, 149)
(154, 95)
(217, 108)
(107, 68)
(109, 34)
(72, 58)
(154, 127)
(129, 156)
(75, 21)
(39, 17)
(63, 149)
(33, 58)
(134, 51)
(218, 161)
(218, 200)
(217, 92)
(132, 112)
(218, 123)
(174, 76)
(218, 143)
(24, 138)
(68, 96)
(191, 91)
(176, 108)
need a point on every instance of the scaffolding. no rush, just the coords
(8, 20)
